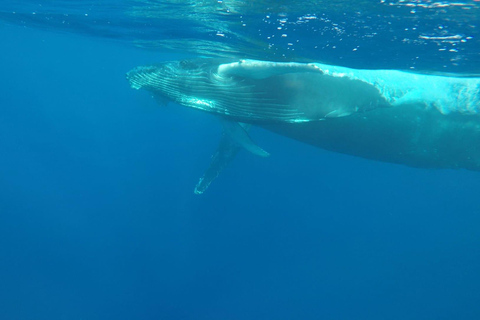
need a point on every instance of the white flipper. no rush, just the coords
(240, 136)
(225, 153)
(234, 138)
(255, 69)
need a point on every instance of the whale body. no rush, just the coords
(419, 120)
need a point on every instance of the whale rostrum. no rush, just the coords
(419, 120)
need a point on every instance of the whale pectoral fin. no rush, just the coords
(225, 153)
(234, 137)
(238, 132)
(256, 69)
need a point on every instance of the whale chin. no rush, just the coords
(418, 120)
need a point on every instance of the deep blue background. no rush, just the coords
(98, 219)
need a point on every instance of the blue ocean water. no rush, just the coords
(99, 220)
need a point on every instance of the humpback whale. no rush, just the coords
(419, 120)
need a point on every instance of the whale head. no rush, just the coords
(218, 86)
(191, 83)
